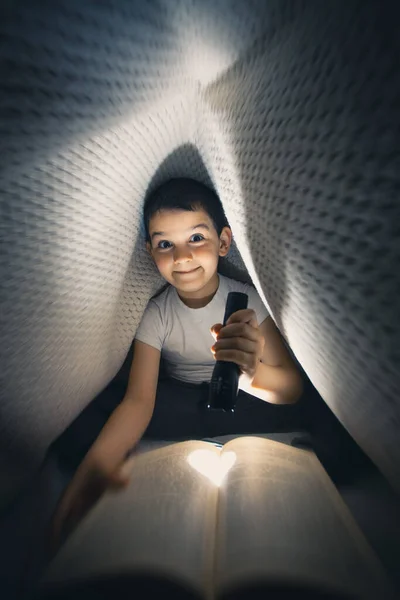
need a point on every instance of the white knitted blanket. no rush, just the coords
(288, 108)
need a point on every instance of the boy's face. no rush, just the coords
(186, 247)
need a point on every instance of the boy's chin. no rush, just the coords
(199, 288)
(189, 287)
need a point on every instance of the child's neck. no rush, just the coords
(202, 297)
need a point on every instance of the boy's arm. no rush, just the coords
(268, 371)
(276, 379)
(130, 419)
(100, 467)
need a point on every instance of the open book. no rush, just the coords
(255, 518)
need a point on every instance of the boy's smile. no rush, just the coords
(185, 247)
(187, 272)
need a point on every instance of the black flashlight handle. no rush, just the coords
(225, 378)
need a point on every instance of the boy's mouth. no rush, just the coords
(186, 272)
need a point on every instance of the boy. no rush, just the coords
(186, 234)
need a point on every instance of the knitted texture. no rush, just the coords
(288, 109)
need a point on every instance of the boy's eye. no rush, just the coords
(197, 235)
(164, 244)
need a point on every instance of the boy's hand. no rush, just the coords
(240, 341)
(86, 487)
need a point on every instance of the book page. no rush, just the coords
(280, 518)
(163, 522)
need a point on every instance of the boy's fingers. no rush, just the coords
(241, 358)
(240, 330)
(74, 504)
(235, 343)
(118, 481)
(67, 511)
(67, 522)
(246, 315)
(67, 516)
(58, 525)
(215, 329)
(59, 516)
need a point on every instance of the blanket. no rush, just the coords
(288, 109)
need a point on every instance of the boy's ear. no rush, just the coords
(225, 240)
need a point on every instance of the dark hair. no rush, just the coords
(184, 194)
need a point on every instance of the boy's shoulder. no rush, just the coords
(162, 296)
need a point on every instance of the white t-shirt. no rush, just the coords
(182, 334)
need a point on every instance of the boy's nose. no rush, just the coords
(182, 255)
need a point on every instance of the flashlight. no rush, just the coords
(224, 382)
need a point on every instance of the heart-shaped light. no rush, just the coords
(212, 465)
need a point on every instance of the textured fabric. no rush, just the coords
(183, 333)
(288, 108)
